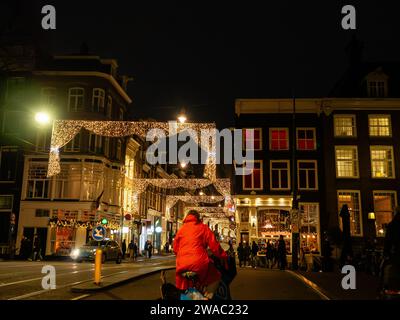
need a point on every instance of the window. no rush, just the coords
(309, 227)
(119, 150)
(307, 175)
(254, 181)
(345, 125)
(109, 107)
(41, 213)
(306, 139)
(76, 99)
(377, 89)
(95, 143)
(379, 125)
(252, 136)
(280, 175)
(49, 96)
(382, 163)
(38, 183)
(6, 203)
(15, 87)
(8, 164)
(98, 100)
(42, 141)
(385, 203)
(346, 162)
(74, 145)
(107, 146)
(279, 139)
(352, 199)
(12, 121)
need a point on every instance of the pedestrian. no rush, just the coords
(28, 252)
(135, 251)
(37, 249)
(131, 251)
(123, 248)
(247, 253)
(282, 253)
(166, 247)
(391, 249)
(269, 254)
(240, 253)
(22, 248)
(254, 251)
(150, 249)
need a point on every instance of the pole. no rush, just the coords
(294, 215)
(97, 266)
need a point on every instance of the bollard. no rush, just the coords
(97, 267)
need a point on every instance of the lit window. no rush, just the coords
(38, 183)
(280, 175)
(76, 99)
(49, 96)
(98, 100)
(252, 135)
(384, 206)
(307, 175)
(345, 125)
(254, 181)
(279, 139)
(352, 199)
(346, 162)
(382, 163)
(309, 227)
(306, 139)
(379, 125)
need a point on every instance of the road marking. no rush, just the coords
(81, 297)
(59, 274)
(310, 284)
(36, 293)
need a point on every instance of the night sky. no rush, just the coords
(203, 56)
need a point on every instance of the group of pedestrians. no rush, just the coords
(275, 254)
(134, 249)
(31, 251)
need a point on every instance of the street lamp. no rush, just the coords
(42, 118)
(182, 118)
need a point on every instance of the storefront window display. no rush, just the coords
(62, 240)
(309, 227)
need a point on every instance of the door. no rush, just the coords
(244, 237)
(42, 234)
(29, 233)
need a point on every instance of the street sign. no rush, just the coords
(98, 233)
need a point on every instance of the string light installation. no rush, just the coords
(172, 199)
(65, 130)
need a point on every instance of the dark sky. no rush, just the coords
(203, 56)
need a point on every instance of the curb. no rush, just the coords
(117, 283)
(321, 292)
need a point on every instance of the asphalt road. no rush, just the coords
(22, 279)
(249, 284)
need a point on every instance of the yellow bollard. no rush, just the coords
(97, 267)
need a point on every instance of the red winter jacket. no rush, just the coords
(190, 246)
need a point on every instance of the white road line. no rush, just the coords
(81, 297)
(310, 284)
(36, 293)
(57, 274)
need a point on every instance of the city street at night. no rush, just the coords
(155, 155)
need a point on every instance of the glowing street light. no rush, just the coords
(183, 165)
(182, 118)
(42, 118)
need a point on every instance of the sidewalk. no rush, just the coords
(329, 283)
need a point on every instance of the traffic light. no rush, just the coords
(104, 221)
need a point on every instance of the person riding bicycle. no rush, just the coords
(190, 246)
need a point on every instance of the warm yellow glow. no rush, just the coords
(182, 118)
(183, 164)
(42, 117)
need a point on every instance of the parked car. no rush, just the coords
(110, 251)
